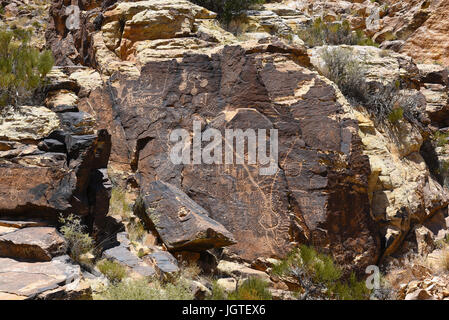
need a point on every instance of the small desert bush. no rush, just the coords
(383, 101)
(227, 9)
(217, 292)
(22, 67)
(190, 270)
(251, 289)
(396, 114)
(346, 72)
(78, 240)
(318, 273)
(136, 230)
(113, 270)
(118, 204)
(319, 33)
(441, 138)
(142, 289)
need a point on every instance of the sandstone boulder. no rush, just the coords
(181, 223)
(425, 240)
(228, 284)
(31, 123)
(35, 244)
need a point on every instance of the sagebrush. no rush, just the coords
(384, 101)
(142, 289)
(113, 270)
(78, 239)
(319, 33)
(251, 289)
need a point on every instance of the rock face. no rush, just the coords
(53, 164)
(431, 41)
(341, 180)
(166, 76)
(180, 222)
(313, 196)
(35, 243)
(402, 190)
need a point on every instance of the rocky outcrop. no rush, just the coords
(402, 190)
(379, 66)
(435, 89)
(113, 34)
(319, 192)
(430, 43)
(52, 163)
(162, 65)
(298, 203)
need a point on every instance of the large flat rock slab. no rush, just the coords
(164, 261)
(24, 279)
(22, 224)
(124, 256)
(181, 223)
(35, 243)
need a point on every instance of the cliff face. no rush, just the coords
(132, 72)
(319, 193)
(334, 164)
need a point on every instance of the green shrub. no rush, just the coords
(396, 114)
(441, 138)
(383, 101)
(347, 73)
(113, 270)
(22, 67)
(251, 289)
(217, 292)
(142, 290)
(318, 273)
(78, 240)
(118, 204)
(136, 229)
(319, 33)
(227, 9)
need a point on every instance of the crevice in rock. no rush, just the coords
(140, 145)
(430, 156)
